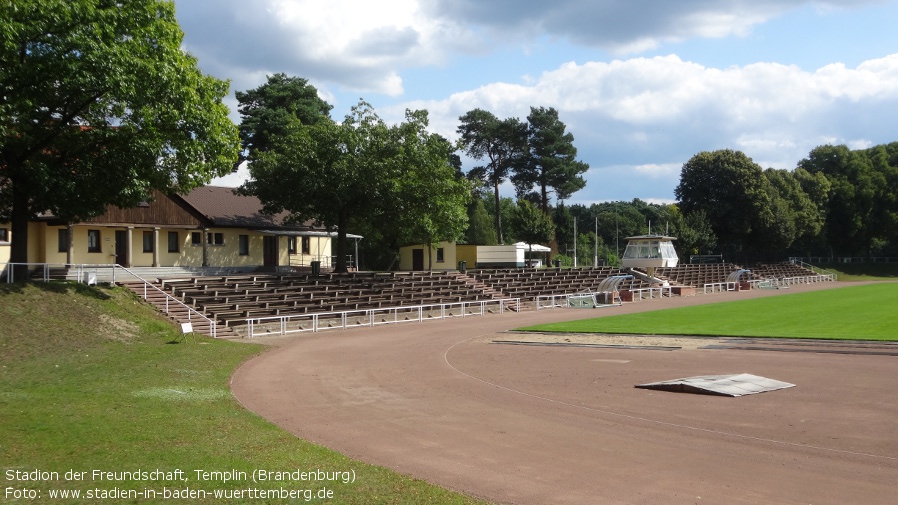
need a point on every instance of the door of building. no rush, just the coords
(121, 248)
(269, 251)
(418, 259)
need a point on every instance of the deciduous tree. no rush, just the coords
(480, 227)
(432, 196)
(731, 190)
(363, 172)
(99, 105)
(531, 225)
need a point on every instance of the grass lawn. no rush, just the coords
(90, 380)
(853, 313)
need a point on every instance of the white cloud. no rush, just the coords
(677, 96)
(623, 27)
(640, 115)
(365, 46)
(642, 118)
(355, 45)
(655, 170)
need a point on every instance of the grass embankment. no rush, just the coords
(90, 380)
(863, 271)
(851, 313)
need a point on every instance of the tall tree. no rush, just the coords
(550, 164)
(265, 111)
(502, 143)
(99, 105)
(731, 190)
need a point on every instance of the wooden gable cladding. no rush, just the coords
(162, 210)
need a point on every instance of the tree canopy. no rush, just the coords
(550, 164)
(362, 171)
(99, 105)
(731, 190)
(531, 225)
(265, 110)
(501, 143)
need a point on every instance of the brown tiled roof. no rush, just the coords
(224, 207)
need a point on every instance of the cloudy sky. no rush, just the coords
(643, 85)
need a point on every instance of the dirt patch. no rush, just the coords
(119, 330)
(605, 339)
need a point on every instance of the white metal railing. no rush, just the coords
(563, 300)
(652, 292)
(82, 273)
(769, 283)
(719, 287)
(191, 312)
(817, 270)
(847, 259)
(552, 301)
(807, 279)
(92, 274)
(300, 323)
(306, 260)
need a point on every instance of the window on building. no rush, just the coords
(291, 245)
(215, 238)
(93, 241)
(62, 239)
(196, 238)
(4, 235)
(174, 242)
(147, 241)
(243, 244)
(306, 245)
(440, 255)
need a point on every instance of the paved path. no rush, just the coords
(543, 425)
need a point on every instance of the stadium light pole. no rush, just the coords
(595, 258)
(616, 234)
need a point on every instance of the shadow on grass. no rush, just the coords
(60, 287)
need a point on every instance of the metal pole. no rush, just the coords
(595, 259)
(616, 234)
(575, 242)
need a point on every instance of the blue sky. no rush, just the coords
(642, 85)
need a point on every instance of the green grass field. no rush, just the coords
(855, 313)
(90, 380)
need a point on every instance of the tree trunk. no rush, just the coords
(498, 218)
(19, 223)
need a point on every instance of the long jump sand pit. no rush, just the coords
(537, 424)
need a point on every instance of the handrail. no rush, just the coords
(321, 321)
(82, 269)
(822, 271)
(168, 297)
